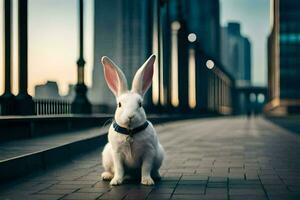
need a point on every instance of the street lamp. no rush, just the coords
(7, 99)
(210, 64)
(81, 104)
(24, 102)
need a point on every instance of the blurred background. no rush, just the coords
(213, 56)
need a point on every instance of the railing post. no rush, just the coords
(81, 104)
(24, 102)
(7, 99)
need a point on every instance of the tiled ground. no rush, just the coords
(229, 158)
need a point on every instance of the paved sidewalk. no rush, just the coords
(223, 158)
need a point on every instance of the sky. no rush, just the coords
(53, 39)
(52, 43)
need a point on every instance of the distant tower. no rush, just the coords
(48, 90)
(120, 33)
(236, 53)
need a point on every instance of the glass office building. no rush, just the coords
(284, 58)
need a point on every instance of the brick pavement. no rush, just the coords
(223, 158)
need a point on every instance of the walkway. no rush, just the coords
(221, 158)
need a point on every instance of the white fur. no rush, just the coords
(143, 155)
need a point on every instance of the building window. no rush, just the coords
(290, 38)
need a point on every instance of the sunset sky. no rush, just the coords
(53, 42)
(53, 39)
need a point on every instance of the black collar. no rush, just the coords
(129, 132)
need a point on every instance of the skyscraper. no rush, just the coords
(236, 53)
(120, 33)
(284, 58)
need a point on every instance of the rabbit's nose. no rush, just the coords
(130, 117)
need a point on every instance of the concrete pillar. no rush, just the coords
(202, 81)
(183, 52)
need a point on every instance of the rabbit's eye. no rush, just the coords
(140, 104)
(119, 104)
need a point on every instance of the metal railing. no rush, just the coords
(52, 107)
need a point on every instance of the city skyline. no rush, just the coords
(254, 17)
(44, 42)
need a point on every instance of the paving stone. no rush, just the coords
(218, 180)
(217, 185)
(113, 196)
(80, 196)
(65, 186)
(93, 190)
(248, 197)
(247, 191)
(186, 197)
(78, 182)
(251, 176)
(214, 191)
(134, 196)
(284, 197)
(56, 191)
(215, 197)
(162, 190)
(194, 178)
(43, 197)
(189, 190)
(192, 182)
(155, 196)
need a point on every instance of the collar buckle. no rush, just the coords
(130, 133)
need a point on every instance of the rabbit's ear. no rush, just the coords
(114, 77)
(143, 77)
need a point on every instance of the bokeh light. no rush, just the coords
(210, 64)
(192, 37)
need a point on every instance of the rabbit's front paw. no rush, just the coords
(107, 176)
(147, 180)
(116, 181)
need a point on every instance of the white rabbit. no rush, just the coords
(133, 147)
